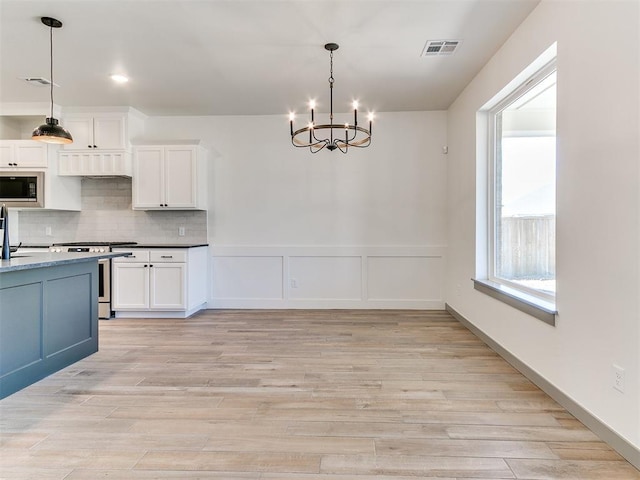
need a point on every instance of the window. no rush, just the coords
(522, 182)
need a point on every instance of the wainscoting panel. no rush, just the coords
(247, 277)
(405, 278)
(293, 276)
(325, 278)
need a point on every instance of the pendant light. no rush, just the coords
(50, 131)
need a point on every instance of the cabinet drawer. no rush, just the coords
(168, 256)
(136, 256)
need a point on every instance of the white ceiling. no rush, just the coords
(215, 57)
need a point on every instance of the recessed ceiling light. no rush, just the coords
(119, 78)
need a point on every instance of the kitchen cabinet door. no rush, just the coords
(130, 286)
(30, 153)
(168, 286)
(6, 154)
(81, 129)
(180, 176)
(109, 132)
(148, 178)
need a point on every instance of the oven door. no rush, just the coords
(104, 288)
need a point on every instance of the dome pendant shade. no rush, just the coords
(51, 132)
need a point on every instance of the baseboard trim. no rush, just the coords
(618, 443)
(326, 303)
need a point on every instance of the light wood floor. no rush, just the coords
(351, 395)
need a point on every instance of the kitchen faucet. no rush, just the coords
(4, 228)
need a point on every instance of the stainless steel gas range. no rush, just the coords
(104, 268)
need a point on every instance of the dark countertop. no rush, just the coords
(29, 261)
(165, 245)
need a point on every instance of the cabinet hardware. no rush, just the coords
(166, 256)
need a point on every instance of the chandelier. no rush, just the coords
(331, 135)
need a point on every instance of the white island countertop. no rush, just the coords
(27, 261)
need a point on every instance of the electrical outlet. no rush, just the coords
(294, 283)
(47, 231)
(618, 378)
(181, 231)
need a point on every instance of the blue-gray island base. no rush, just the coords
(48, 315)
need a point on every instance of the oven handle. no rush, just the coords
(106, 280)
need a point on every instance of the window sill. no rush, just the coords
(540, 309)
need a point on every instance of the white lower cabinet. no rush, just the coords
(167, 286)
(159, 282)
(130, 286)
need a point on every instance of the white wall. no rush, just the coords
(342, 226)
(598, 207)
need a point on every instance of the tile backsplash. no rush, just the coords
(107, 216)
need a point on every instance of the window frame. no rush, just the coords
(492, 129)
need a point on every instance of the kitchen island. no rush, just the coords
(48, 314)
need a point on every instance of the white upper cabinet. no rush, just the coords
(101, 142)
(169, 177)
(16, 154)
(99, 132)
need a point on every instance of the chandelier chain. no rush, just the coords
(331, 69)
(331, 80)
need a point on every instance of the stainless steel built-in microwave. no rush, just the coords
(22, 189)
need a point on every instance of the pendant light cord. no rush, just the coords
(51, 64)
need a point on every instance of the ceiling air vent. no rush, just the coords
(440, 47)
(38, 81)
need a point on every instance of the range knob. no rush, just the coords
(101, 250)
